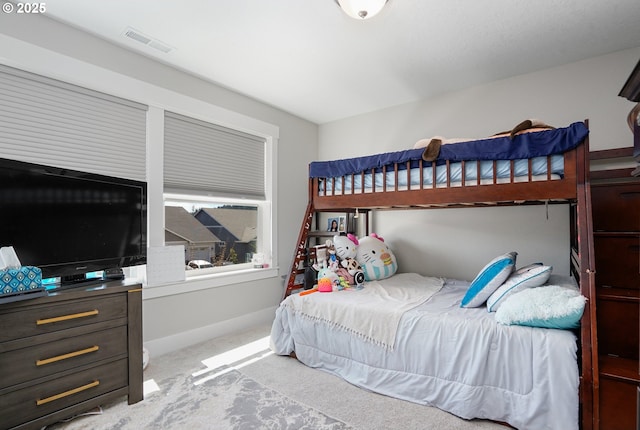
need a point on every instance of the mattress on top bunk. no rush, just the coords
(539, 165)
(457, 359)
(535, 145)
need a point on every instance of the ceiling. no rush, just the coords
(308, 58)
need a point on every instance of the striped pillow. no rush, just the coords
(488, 280)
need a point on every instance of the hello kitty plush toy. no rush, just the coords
(346, 250)
(376, 258)
(345, 246)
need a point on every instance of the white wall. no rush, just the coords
(38, 44)
(438, 242)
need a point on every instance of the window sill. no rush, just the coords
(207, 281)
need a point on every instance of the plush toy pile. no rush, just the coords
(347, 262)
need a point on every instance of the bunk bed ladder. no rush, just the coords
(300, 254)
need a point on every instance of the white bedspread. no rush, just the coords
(372, 313)
(457, 359)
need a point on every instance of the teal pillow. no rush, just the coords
(549, 306)
(530, 276)
(488, 280)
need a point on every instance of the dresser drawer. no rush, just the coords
(48, 358)
(616, 207)
(35, 320)
(36, 401)
(617, 259)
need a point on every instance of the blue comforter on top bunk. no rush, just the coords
(522, 146)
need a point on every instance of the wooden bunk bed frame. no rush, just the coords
(572, 188)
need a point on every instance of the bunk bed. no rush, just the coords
(472, 369)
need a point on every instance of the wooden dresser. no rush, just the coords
(68, 352)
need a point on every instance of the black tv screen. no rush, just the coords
(69, 223)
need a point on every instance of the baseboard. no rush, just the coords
(178, 341)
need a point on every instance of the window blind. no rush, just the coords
(203, 157)
(47, 121)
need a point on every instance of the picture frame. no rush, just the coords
(333, 224)
(342, 224)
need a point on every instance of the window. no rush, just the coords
(216, 195)
(55, 123)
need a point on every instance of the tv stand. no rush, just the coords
(69, 352)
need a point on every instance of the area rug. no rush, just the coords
(228, 401)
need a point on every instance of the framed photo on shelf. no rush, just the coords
(342, 224)
(333, 224)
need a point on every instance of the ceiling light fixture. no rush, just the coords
(361, 9)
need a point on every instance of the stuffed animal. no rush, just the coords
(325, 285)
(345, 246)
(332, 259)
(376, 258)
(331, 275)
(355, 273)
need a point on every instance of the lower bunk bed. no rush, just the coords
(430, 350)
(436, 353)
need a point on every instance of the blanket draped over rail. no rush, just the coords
(523, 146)
(373, 313)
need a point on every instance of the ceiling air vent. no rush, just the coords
(153, 43)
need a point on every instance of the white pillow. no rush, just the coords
(490, 277)
(526, 268)
(530, 276)
(563, 281)
(549, 306)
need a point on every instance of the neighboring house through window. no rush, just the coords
(181, 228)
(235, 226)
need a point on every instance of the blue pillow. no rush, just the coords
(531, 276)
(549, 306)
(488, 280)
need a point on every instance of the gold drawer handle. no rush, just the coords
(67, 317)
(67, 393)
(65, 356)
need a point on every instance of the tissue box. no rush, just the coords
(20, 280)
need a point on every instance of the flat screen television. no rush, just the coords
(70, 223)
